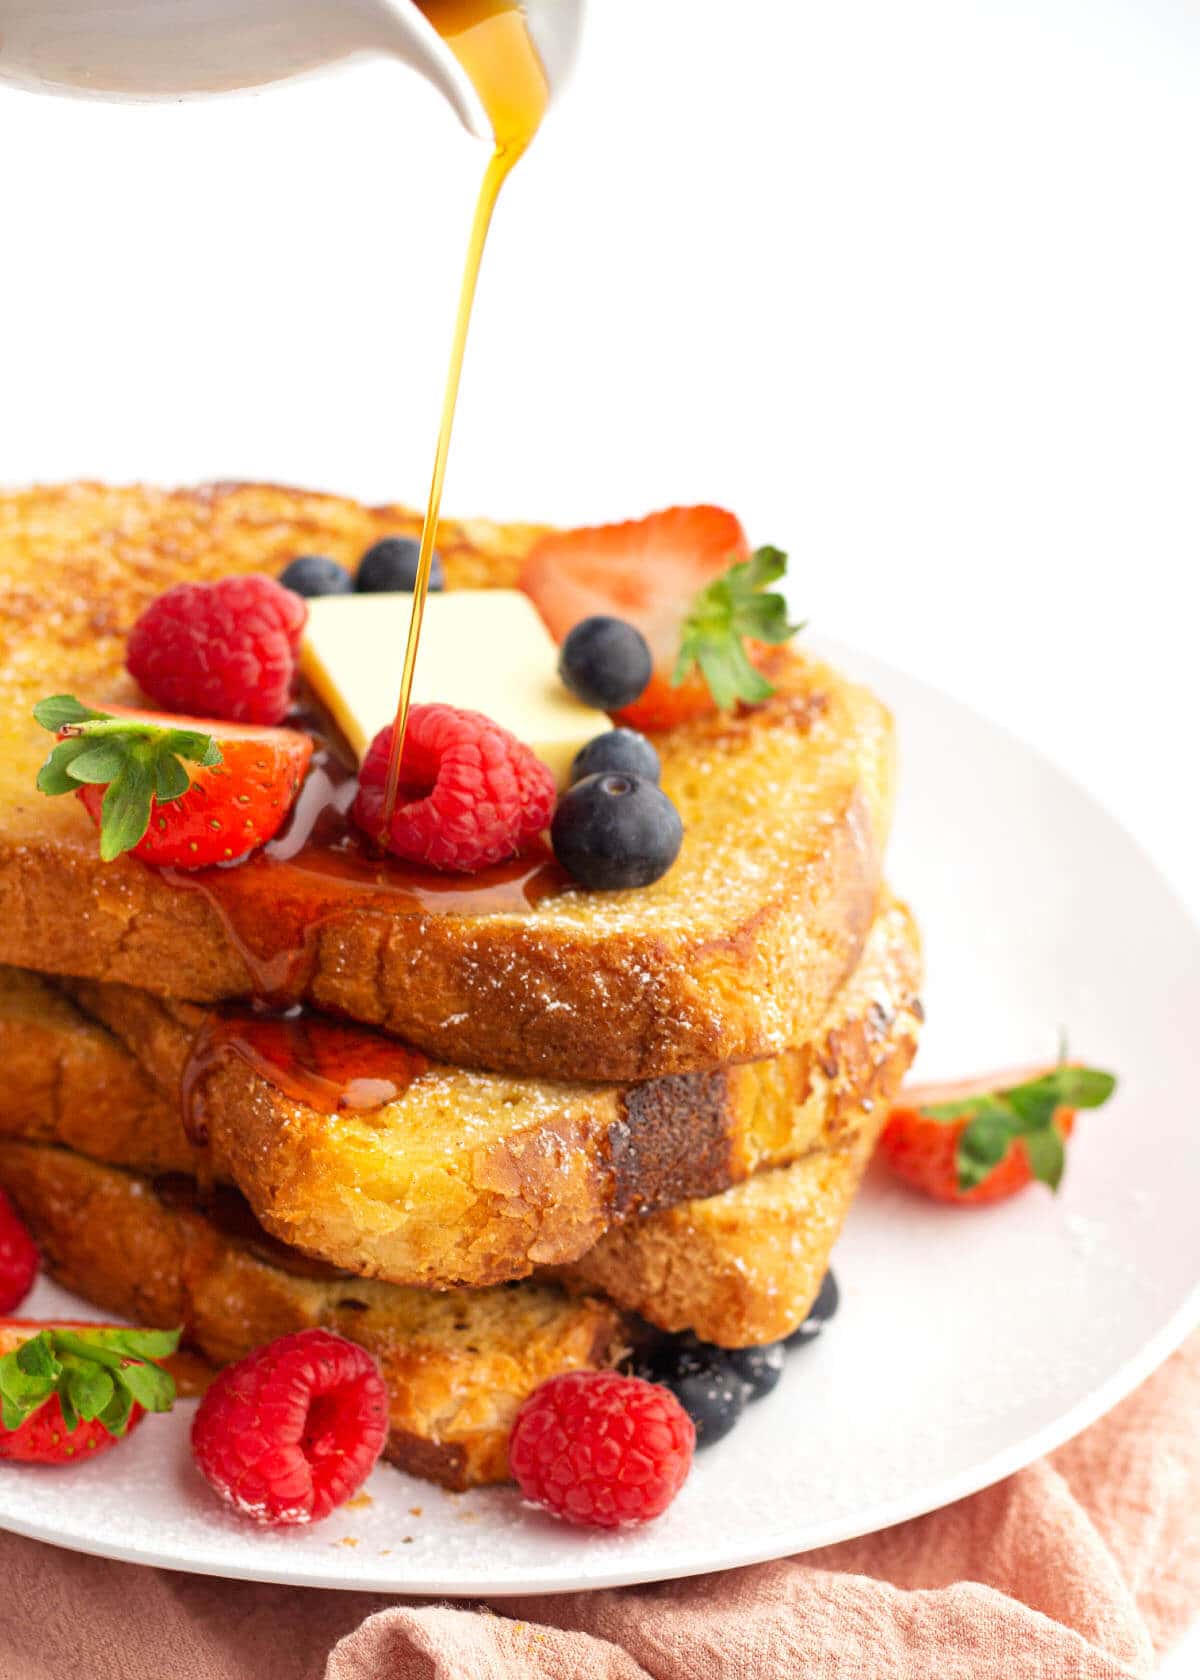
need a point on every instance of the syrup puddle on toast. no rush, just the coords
(491, 41)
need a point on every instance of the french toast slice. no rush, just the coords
(739, 1267)
(457, 1365)
(735, 954)
(477, 1178)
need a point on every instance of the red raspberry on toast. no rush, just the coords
(71, 1389)
(173, 790)
(294, 1429)
(224, 650)
(602, 1450)
(470, 794)
(983, 1140)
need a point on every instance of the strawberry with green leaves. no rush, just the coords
(71, 1390)
(172, 790)
(982, 1140)
(687, 580)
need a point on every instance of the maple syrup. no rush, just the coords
(491, 41)
(274, 904)
(328, 1065)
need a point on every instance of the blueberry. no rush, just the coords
(614, 831)
(390, 568)
(316, 574)
(622, 750)
(605, 663)
(760, 1368)
(819, 1314)
(709, 1389)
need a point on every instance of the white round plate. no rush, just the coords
(969, 1342)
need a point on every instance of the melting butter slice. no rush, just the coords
(485, 650)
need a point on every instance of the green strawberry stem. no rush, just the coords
(723, 617)
(138, 764)
(996, 1119)
(98, 1375)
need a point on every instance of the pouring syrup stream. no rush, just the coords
(491, 41)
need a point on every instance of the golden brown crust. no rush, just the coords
(744, 1267)
(736, 954)
(471, 1178)
(457, 1365)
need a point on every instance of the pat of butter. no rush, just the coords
(485, 650)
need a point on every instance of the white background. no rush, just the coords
(915, 288)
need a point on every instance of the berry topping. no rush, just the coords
(220, 650)
(172, 790)
(70, 1391)
(819, 1314)
(760, 1368)
(685, 579)
(390, 568)
(986, 1139)
(470, 794)
(316, 574)
(293, 1430)
(600, 1449)
(621, 750)
(615, 830)
(703, 1378)
(18, 1258)
(605, 663)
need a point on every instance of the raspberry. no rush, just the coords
(18, 1258)
(293, 1429)
(220, 650)
(600, 1449)
(470, 793)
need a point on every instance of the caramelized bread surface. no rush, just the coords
(736, 954)
(479, 1178)
(457, 1365)
(738, 1267)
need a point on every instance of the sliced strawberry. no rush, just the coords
(982, 1140)
(173, 790)
(648, 572)
(69, 1389)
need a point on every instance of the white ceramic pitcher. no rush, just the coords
(172, 49)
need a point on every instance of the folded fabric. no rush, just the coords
(1085, 1566)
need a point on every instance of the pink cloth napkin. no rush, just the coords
(1083, 1567)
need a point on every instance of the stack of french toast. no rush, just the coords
(590, 1118)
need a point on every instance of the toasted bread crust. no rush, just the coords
(735, 955)
(457, 1365)
(744, 1268)
(465, 1179)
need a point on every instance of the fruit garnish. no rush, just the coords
(172, 790)
(69, 1391)
(614, 830)
(733, 610)
(294, 1429)
(225, 650)
(601, 1450)
(982, 1140)
(657, 574)
(470, 793)
(605, 662)
(18, 1257)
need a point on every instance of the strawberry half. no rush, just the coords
(653, 573)
(172, 790)
(982, 1140)
(69, 1390)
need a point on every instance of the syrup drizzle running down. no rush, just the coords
(274, 904)
(492, 43)
(330, 1066)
